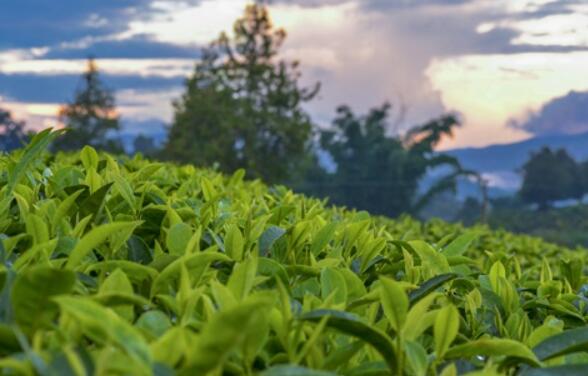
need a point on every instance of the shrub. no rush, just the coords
(125, 266)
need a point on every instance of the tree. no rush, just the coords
(574, 184)
(584, 172)
(91, 116)
(12, 134)
(550, 176)
(379, 173)
(242, 105)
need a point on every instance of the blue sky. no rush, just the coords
(497, 62)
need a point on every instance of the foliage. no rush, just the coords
(378, 172)
(12, 134)
(132, 267)
(551, 176)
(567, 225)
(91, 116)
(242, 106)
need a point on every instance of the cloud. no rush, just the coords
(155, 67)
(34, 23)
(492, 90)
(430, 55)
(31, 23)
(60, 88)
(563, 115)
(137, 47)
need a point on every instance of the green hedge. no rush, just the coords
(129, 267)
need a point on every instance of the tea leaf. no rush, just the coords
(394, 302)
(445, 329)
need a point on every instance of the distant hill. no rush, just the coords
(128, 139)
(501, 162)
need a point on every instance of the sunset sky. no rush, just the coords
(496, 62)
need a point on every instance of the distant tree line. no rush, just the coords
(553, 175)
(242, 107)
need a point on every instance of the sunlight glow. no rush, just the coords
(491, 90)
(142, 67)
(178, 22)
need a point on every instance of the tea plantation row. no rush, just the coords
(128, 267)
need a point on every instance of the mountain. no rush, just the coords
(500, 163)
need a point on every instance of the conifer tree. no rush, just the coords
(242, 106)
(91, 116)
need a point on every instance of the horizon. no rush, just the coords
(507, 69)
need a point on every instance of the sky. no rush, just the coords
(511, 69)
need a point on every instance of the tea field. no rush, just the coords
(122, 266)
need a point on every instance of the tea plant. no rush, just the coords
(128, 267)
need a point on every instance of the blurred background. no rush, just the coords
(468, 110)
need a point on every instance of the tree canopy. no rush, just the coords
(550, 176)
(242, 107)
(91, 116)
(378, 172)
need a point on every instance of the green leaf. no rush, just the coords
(394, 302)
(417, 357)
(332, 282)
(431, 260)
(564, 370)
(342, 354)
(177, 238)
(196, 264)
(268, 238)
(32, 292)
(33, 150)
(272, 268)
(445, 329)
(460, 244)
(125, 190)
(429, 286)
(241, 280)
(92, 205)
(104, 326)
(37, 228)
(322, 238)
(370, 369)
(291, 370)
(94, 238)
(494, 347)
(234, 243)
(155, 323)
(89, 158)
(118, 282)
(65, 207)
(351, 325)
(138, 250)
(136, 272)
(418, 318)
(8, 340)
(224, 332)
(567, 342)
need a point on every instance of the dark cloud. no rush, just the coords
(33, 23)
(60, 88)
(550, 9)
(38, 23)
(563, 115)
(136, 48)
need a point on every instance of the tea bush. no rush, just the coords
(128, 267)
